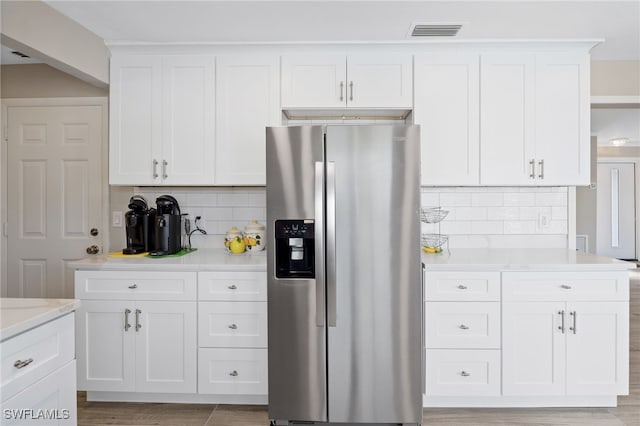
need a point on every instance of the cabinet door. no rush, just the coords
(533, 348)
(314, 81)
(507, 120)
(597, 348)
(134, 119)
(447, 108)
(166, 347)
(562, 119)
(188, 135)
(105, 346)
(379, 81)
(248, 100)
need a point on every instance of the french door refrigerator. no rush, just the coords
(344, 274)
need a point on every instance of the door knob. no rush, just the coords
(94, 232)
(94, 249)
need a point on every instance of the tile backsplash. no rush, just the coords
(478, 217)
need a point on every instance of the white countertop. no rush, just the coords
(19, 315)
(521, 260)
(199, 260)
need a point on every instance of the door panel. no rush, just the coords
(615, 211)
(374, 349)
(54, 183)
(297, 341)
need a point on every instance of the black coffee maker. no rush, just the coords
(167, 227)
(139, 222)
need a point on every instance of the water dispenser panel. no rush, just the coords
(295, 249)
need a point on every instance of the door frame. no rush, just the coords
(636, 162)
(101, 102)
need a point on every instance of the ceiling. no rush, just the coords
(207, 21)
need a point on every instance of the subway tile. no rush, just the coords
(455, 199)
(519, 227)
(244, 215)
(257, 199)
(233, 199)
(204, 198)
(469, 213)
(459, 228)
(559, 213)
(519, 199)
(429, 199)
(551, 199)
(533, 213)
(487, 199)
(560, 189)
(217, 213)
(554, 227)
(503, 213)
(487, 227)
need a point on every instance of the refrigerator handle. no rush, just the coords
(319, 244)
(331, 243)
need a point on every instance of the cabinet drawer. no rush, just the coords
(241, 286)
(135, 285)
(569, 286)
(232, 371)
(462, 286)
(40, 351)
(463, 372)
(232, 324)
(454, 325)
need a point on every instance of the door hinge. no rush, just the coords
(5, 229)
(5, 133)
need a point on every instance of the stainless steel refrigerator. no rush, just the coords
(344, 274)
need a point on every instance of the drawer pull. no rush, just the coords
(233, 327)
(464, 327)
(234, 373)
(566, 287)
(127, 326)
(464, 374)
(232, 287)
(462, 287)
(21, 364)
(133, 286)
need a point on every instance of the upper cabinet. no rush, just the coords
(503, 119)
(446, 106)
(247, 101)
(354, 81)
(162, 120)
(535, 119)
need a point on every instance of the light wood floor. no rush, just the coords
(627, 413)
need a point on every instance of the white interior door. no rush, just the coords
(54, 195)
(615, 211)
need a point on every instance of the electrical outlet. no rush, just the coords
(116, 219)
(543, 220)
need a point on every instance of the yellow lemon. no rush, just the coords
(237, 245)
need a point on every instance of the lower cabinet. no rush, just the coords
(463, 372)
(566, 348)
(232, 371)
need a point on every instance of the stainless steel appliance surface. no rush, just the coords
(344, 274)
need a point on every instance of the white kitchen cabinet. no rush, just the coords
(146, 342)
(232, 371)
(354, 81)
(447, 108)
(247, 101)
(162, 120)
(565, 335)
(534, 119)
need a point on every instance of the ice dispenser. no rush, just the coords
(294, 249)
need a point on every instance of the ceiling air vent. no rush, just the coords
(22, 55)
(435, 30)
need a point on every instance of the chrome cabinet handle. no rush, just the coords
(463, 327)
(133, 286)
(21, 364)
(462, 287)
(155, 168)
(232, 287)
(127, 326)
(164, 169)
(464, 374)
(532, 163)
(561, 326)
(541, 164)
(351, 89)
(575, 316)
(233, 327)
(234, 373)
(138, 325)
(342, 90)
(565, 286)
